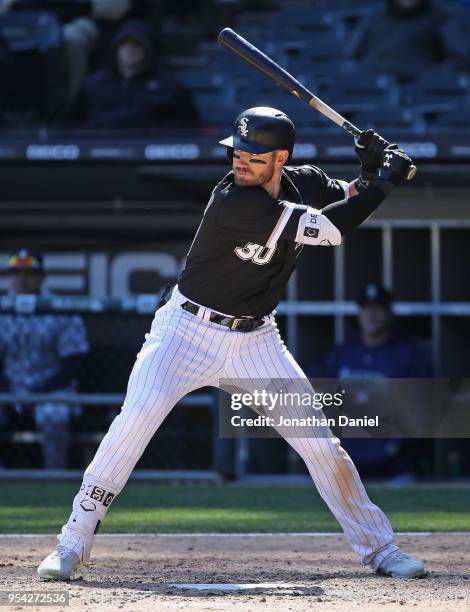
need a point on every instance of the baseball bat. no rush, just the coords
(259, 60)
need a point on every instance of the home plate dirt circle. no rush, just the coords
(290, 572)
(266, 588)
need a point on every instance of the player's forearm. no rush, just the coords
(347, 216)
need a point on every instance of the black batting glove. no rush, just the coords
(393, 169)
(369, 148)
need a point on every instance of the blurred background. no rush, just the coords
(110, 114)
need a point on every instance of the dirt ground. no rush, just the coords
(137, 573)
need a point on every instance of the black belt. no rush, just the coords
(242, 324)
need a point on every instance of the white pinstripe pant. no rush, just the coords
(184, 352)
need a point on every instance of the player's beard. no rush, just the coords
(256, 179)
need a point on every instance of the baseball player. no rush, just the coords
(219, 324)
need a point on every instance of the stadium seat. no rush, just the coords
(456, 120)
(320, 123)
(346, 8)
(305, 118)
(251, 21)
(180, 34)
(438, 91)
(300, 34)
(320, 63)
(216, 59)
(34, 40)
(392, 120)
(212, 91)
(322, 42)
(236, 75)
(214, 111)
(262, 85)
(201, 79)
(307, 21)
(359, 93)
(299, 112)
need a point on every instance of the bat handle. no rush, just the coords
(351, 129)
(356, 132)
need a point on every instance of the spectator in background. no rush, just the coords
(81, 36)
(41, 354)
(81, 28)
(378, 351)
(131, 93)
(402, 38)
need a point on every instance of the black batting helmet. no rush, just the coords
(260, 130)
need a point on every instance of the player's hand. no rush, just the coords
(369, 148)
(394, 165)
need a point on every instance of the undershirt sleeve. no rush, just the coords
(251, 214)
(348, 215)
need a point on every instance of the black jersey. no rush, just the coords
(238, 263)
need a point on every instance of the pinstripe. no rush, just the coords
(200, 344)
(130, 416)
(215, 333)
(345, 465)
(127, 417)
(145, 411)
(312, 459)
(216, 357)
(182, 353)
(144, 408)
(344, 507)
(324, 484)
(175, 396)
(167, 327)
(121, 419)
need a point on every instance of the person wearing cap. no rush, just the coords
(82, 23)
(131, 92)
(219, 324)
(41, 354)
(378, 350)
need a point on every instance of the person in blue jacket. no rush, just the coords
(379, 350)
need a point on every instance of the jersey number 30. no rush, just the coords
(258, 254)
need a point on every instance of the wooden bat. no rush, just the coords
(259, 60)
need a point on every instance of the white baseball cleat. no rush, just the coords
(400, 564)
(59, 565)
